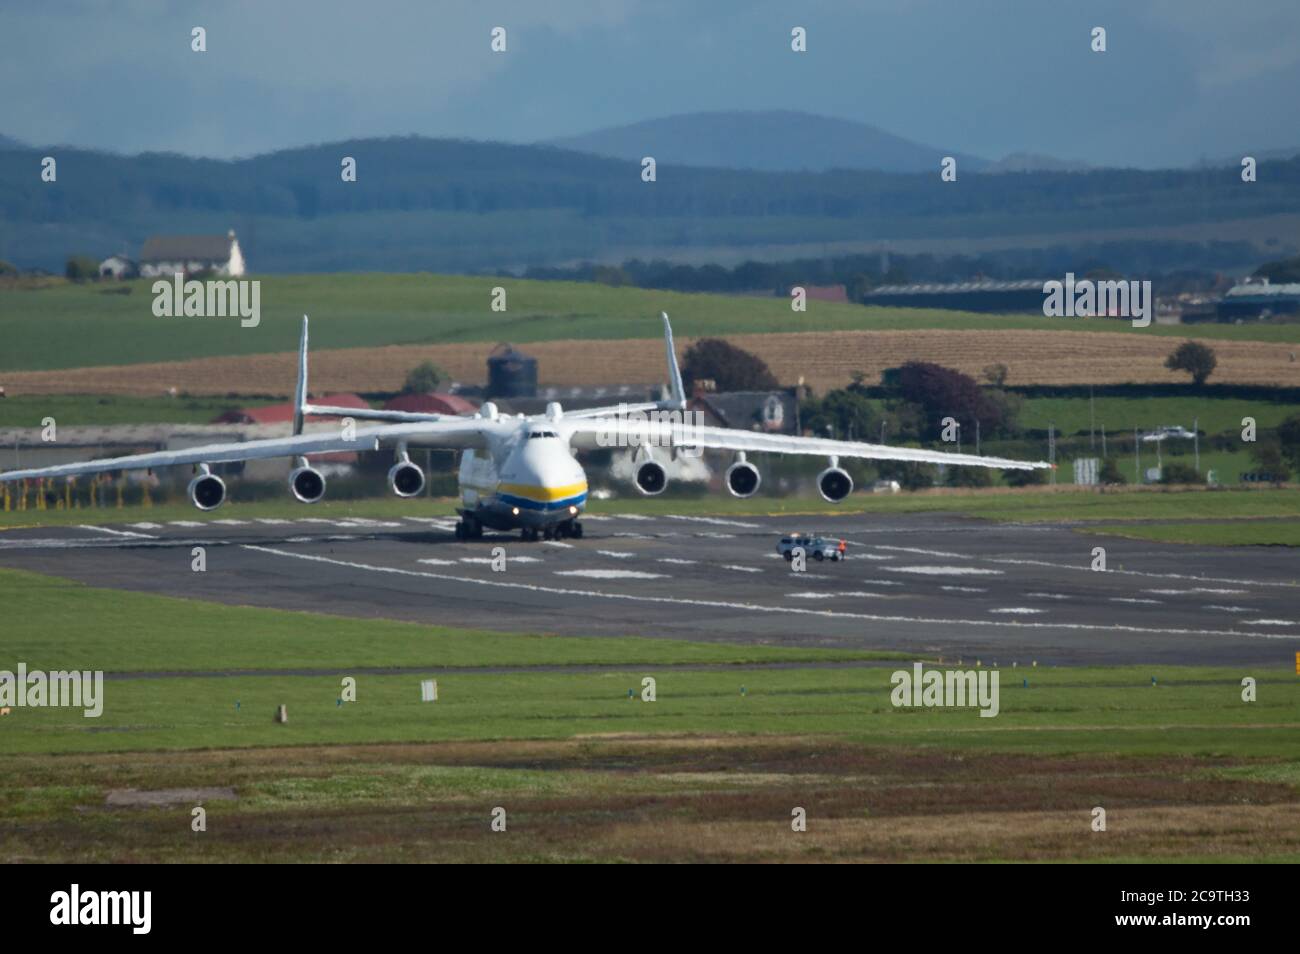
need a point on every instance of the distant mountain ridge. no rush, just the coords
(766, 141)
(459, 205)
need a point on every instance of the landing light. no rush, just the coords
(514, 511)
(573, 510)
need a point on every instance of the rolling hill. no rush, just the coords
(769, 141)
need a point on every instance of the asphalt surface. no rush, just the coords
(929, 584)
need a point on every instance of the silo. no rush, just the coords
(511, 373)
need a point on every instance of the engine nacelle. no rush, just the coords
(406, 479)
(834, 484)
(207, 491)
(651, 478)
(307, 484)
(742, 479)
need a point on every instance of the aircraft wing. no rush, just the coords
(451, 433)
(631, 432)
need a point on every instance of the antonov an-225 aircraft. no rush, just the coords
(517, 472)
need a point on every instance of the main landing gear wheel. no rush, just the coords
(528, 535)
(468, 529)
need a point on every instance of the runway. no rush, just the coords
(928, 584)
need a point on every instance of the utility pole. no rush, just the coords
(977, 436)
(1051, 447)
(882, 430)
(1196, 443)
(1137, 458)
(1103, 442)
(1092, 442)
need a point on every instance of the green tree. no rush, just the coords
(1288, 436)
(1268, 459)
(1195, 358)
(1110, 473)
(423, 378)
(730, 368)
(845, 414)
(1176, 472)
(81, 268)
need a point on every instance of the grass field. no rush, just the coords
(710, 770)
(76, 410)
(1120, 416)
(1240, 533)
(138, 632)
(89, 325)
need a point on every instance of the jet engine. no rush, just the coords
(651, 478)
(207, 491)
(835, 484)
(307, 484)
(406, 479)
(742, 479)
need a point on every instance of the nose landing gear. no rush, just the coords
(568, 528)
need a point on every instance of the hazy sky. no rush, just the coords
(1181, 80)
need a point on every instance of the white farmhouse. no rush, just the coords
(117, 266)
(166, 255)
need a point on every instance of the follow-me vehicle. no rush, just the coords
(517, 472)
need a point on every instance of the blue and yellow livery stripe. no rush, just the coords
(535, 497)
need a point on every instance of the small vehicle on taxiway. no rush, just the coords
(817, 546)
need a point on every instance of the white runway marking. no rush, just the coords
(434, 561)
(116, 533)
(618, 554)
(628, 516)
(635, 536)
(1018, 611)
(273, 521)
(715, 536)
(677, 560)
(718, 522)
(232, 523)
(313, 520)
(1228, 609)
(1087, 568)
(1196, 589)
(612, 574)
(757, 607)
(854, 593)
(189, 524)
(1132, 599)
(965, 589)
(557, 543)
(1271, 622)
(887, 583)
(945, 570)
(1049, 596)
(146, 526)
(742, 569)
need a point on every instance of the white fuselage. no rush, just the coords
(528, 479)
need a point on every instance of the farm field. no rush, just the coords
(825, 360)
(94, 325)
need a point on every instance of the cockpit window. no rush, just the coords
(536, 434)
